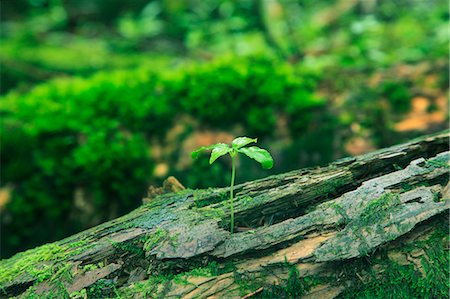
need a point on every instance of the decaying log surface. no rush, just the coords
(313, 233)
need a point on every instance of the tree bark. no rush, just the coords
(334, 231)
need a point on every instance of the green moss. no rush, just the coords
(90, 267)
(404, 281)
(153, 287)
(204, 198)
(437, 196)
(79, 245)
(156, 286)
(245, 201)
(377, 208)
(150, 217)
(399, 281)
(79, 294)
(152, 240)
(437, 164)
(389, 285)
(103, 288)
(341, 211)
(378, 276)
(55, 276)
(45, 263)
(213, 213)
(27, 261)
(247, 283)
(293, 286)
(40, 262)
(330, 188)
(211, 269)
(131, 247)
(140, 246)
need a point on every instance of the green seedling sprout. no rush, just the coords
(237, 146)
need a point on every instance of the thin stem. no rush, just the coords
(233, 172)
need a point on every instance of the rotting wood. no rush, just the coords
(315, 220)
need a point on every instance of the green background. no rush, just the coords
(100, 99)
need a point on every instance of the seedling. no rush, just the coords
(237, 146)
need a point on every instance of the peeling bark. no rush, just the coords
(313, 220)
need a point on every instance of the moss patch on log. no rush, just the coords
(40, 263)
(419, 270)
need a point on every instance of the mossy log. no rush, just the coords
(374, 225)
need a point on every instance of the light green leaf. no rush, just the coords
(258, 154)
(197, 152)
(242, 141)
(218, 151)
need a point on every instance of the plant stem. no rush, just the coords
(233, 172)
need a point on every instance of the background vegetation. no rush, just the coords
(102, 98)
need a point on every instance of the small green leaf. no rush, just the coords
(242, 141)
(258, 154)
(197, 152)
(219, 150)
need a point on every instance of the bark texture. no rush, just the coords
(336, 231)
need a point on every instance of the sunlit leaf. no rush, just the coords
(258, 154)
(197, 152)
(242, 141)
(219, 150)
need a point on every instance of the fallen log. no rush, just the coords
(374, 225)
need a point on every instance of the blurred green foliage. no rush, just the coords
(300, 75)
(43, 38)
(26, 61)
(90, 139)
